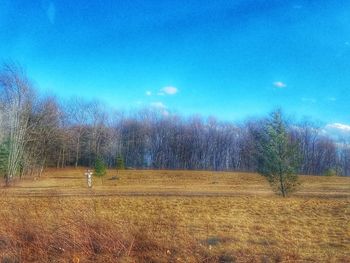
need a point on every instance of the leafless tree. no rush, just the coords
(16, 97)
(36, 132)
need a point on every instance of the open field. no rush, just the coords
(173, 216)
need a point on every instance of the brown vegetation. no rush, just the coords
(173, 216)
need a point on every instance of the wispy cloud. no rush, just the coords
(165, 113)
(308, 100)
(148, 93)
(160, 106)
(51, 12)
(337, 130)
(168, 91)
(332, 99)
(339, 126)
(279, 84)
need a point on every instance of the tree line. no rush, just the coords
(39, 131)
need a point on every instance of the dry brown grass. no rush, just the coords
(173, 216)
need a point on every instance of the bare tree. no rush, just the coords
(37, 132)
(78, 116)
(17, 99)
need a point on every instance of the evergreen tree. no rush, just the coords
(278, 156)
(4, 155)
(100, 167)
(120, 162)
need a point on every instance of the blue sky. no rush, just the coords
(230, 59)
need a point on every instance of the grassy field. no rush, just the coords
(173, 216)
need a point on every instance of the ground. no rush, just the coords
(173, 216)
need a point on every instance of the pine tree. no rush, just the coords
(120, 162)
(4, 154)
(279, 158)
(100, 167)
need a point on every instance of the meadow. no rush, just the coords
(173, 216)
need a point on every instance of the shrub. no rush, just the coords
(4, 153)
(330, 172)
(120, 162)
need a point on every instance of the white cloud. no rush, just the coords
(51, 12)
(158, 105)
(148, 93)
(169, 90)
(339, 126)
(309, 100)
(337, 131)
(280, 84)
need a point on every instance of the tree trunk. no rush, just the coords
(77, 153)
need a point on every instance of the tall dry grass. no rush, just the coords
(56, 219)
(41, 231)
(153, 229)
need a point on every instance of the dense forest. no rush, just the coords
(42, 131)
